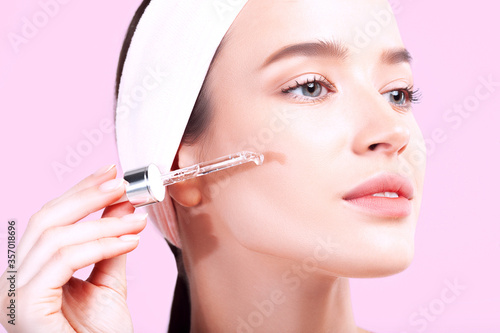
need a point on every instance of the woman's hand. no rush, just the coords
(54, 246)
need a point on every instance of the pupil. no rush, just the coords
(398, 96)
(312, 89)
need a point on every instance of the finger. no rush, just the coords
(67, 260)
(118, 210)
(100, 176)
(56, 238)
(112, 272)
(70, 210)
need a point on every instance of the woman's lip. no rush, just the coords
(384, 207)
(361, 196)
(384, 182)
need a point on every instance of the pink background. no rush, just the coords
(60, 85)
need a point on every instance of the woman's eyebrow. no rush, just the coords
(309, 49)
(396, 56)
(333, 49)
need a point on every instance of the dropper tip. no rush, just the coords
(259, 159)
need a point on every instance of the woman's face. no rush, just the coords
(321, 89)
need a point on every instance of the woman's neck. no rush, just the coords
(235, 289)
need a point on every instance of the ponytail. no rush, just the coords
(180, 315)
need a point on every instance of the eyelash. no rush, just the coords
(320, 80)
(412, 96)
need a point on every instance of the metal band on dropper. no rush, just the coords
(145, 186)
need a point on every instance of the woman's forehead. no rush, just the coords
(357, 24)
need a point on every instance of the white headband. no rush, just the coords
(166, 64)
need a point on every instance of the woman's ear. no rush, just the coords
(186, 193)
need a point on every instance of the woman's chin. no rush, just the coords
(384, 265)
(373, 264)
(384, 269)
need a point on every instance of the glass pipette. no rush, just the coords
(147, 185)
(205, 168)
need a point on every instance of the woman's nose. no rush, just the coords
(380, 129)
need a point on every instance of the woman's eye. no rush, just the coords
(397, 97)
(311, 90)
(404, 97)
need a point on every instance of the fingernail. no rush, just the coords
(105, 169)
(132, 218)
(111, 185)
(129, 238)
